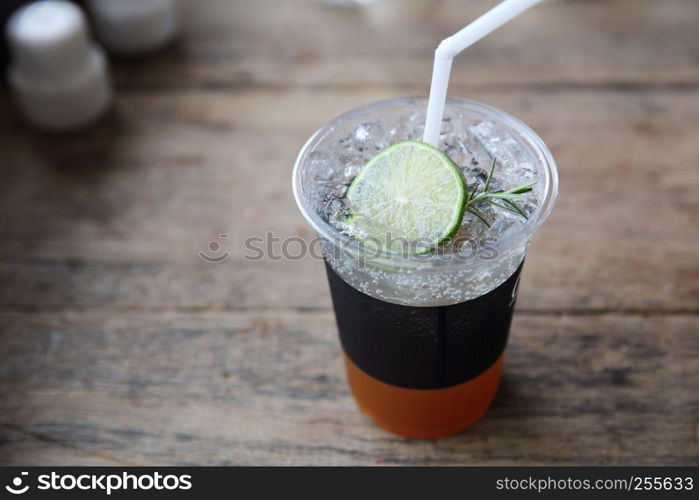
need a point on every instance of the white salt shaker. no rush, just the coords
(133, 27)
(60, 77)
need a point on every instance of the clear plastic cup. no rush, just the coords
(424, 335)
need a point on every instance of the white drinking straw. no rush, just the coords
(450, 47)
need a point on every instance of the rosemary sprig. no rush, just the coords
(507, 198)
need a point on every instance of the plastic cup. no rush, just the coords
(423, 336)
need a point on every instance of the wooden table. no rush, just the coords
(119, 345)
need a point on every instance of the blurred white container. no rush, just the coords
(60, 77)
(133, 27)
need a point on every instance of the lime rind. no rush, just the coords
(410, 191)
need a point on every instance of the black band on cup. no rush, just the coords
(423, 347)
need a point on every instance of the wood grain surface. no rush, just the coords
(268, 388)
(120, 345)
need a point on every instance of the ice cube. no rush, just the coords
(370, 135)
(447, 126)
(516, 164)
(350, 172)
(416, 125)
(324, 167)
(461, 152)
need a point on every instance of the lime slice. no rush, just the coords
(411, 194)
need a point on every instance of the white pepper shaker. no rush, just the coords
(60, 77)
(133, 27)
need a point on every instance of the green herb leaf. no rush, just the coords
(515, 207)
(507, 197)
(490, 176)
(475, 212)
(515, 210)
